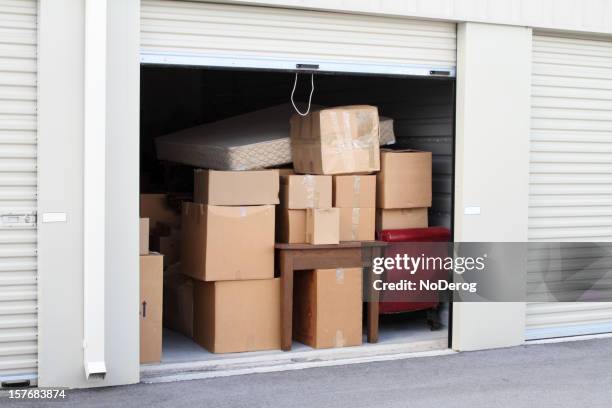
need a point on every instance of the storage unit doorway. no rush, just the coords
(203, 62)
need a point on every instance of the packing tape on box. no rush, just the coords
(356, 191)
(355, 224)
(312, 196)
(339, 340)
(339, 275)
(243, 211)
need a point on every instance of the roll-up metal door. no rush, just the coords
(208, 34)
(570, 174)
(18, 271)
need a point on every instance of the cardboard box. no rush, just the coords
(357, 224)
(178, 301)
(299, 192)
(169, 246)
(235, 316)
(339, 140)
(144, 236)
(156, 208)
(404, 180)
(291, 226)
(354, 191)
(151, 305)
(322, 226)
(388, 219)
(327, 307)
(227, 243)
(255, 187)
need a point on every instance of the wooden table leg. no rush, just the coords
(373, 300)
(286, 272)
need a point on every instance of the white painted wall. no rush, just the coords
(576, 15)
(492, 166)
(60, 107)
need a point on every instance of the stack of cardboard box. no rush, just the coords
(227, 247)
(151, 298)
(403, 189)
(342, 142)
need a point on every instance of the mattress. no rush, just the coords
(249, 141)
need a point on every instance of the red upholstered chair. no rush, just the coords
(414, 242)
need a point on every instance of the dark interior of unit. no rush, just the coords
(174, 98)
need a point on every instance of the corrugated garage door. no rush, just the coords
(194, 33)
(571, 175)
(18, 272)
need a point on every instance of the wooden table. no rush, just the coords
(295, 257)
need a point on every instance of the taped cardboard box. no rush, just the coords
(227, 243)
(357, 224)
(144, 236)
(291, 226)
(404, 180)
(387, 219)
(327, 307)
(339, 140)
(322, 226)
(357, 191)
(151, 305)
(256, 187)
(178, 301)
(157, 209)
(236, 316)
(299, 192)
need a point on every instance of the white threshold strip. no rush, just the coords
(581, 337)
(285, 361)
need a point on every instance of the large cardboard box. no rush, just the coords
(322, 226)
(157, 209)
(144, 236)
(404, 180)
(299, 192)
(400, 218)
(354, 191)
(357, 224)
(235, 316)
(151, 305)
(327, 307)
(227, 243)
(255, 187)
(178, 301)
(291, 226)
(339, 140)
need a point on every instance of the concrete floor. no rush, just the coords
(570, 374)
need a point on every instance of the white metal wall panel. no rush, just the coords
(571, 170)
(18, 270)
(243, 33)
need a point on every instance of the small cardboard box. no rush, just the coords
(327, 307)
(235, 316)
(156, 208)
(357, 224)
(227, 243)
(354, 191)
(291, 226)
(339, 140)
(144, 236)
(178, 301)
(169, 246)
(151, 305)
(400, 218)
(299, 192)
(322, 226)
(404, 180)
(256, 187)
